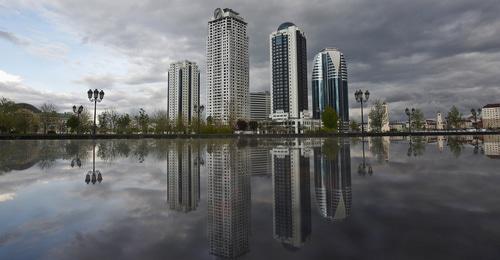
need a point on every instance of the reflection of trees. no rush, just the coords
(416, 146)
(379, 147)
(456, 145)
(18, 155)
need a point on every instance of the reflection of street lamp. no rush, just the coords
(475, 113)
(95, 97)
(78, 111)
(409, 114)
(199, 110)
(95, 178)
(362, 166)
(360, 99)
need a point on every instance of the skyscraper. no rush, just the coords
(183, 180)
(329, 84)
(183, 91)
(332, 180)
(260, 106)
(227, 67)
(288, 55)
(228, 188)
(291, 204)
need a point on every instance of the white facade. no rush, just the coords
(227, 67)
(385, 123)
(439, 121)
(183, 91)
(260, 106)
(491, 116)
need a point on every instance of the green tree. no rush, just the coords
(161, 122)
(417, 119)
(454, 117)
(73, 123)
(7, 118)
(123, 124)
(330, 118)
(378, 116)
(354, 126)
(142, 121)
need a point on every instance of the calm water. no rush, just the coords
(381, 198)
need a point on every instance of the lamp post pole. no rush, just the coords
(409, 114)
(362, 98)
(95, 96)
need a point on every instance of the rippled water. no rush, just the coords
(373, 198)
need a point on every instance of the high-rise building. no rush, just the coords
(292, 196)
(329, 84)
(440, 124)
(228, 188)
(260, 105)
(183, 91)
(227, 67)
(183, 180)
(332, 181)
(288, 55)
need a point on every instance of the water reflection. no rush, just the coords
(228, 200)
(240, 197)
(94, 175)
(183, 180)
(332, 179)
(292, 202)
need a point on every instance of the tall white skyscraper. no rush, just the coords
(288, 57)
(183, 91)
(227, 67)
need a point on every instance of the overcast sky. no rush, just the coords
(425, 54)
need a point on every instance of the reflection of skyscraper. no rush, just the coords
(492, 146)
(259, 161)
(183, 179)
(292, 205)
(332, 181)
(228, 201)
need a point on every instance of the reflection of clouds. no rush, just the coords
(7, 196)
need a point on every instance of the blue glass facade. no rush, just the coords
(329, 84)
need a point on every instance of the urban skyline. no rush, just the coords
(367, 65)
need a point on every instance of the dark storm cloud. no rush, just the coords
(426, 54)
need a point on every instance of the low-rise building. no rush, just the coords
(491, 116)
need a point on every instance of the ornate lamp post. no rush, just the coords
(95, 178)
(78, 111)
(409, 114)
(199, 110)
(362, 99)
(475, 113)
(95, 96)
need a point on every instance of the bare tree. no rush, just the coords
(47, 116)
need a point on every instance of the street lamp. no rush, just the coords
(78, 111)
(199, 110)
(475, 113)
(95, 178)
(409, 114)
(362, 99)
(95, 96)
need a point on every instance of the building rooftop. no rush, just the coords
(492, 105)
(285, 25)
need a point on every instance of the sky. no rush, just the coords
(424, 54)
